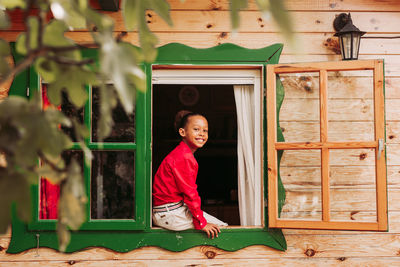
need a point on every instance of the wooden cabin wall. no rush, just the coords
(206, 23)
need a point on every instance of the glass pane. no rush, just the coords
(351, 106)
(113, 185)
(67, 108)
(123, 129)
(299, 115)
(301, 176)
(50, 193)
(352, 185)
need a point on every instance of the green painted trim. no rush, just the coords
(124, 241)
(175, 53)
(20, 84)
(115, 234)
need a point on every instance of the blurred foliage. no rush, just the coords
(29, 133)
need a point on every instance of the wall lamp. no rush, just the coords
(349, 36)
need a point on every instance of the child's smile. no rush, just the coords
(195, 133)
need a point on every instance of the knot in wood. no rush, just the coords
(210, 254)
(1, 248)
(71, 262)
(342, 258)
(223, 35)
(363, 156)
(309, 252)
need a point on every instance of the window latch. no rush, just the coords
(380, 148)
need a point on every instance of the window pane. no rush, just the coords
(50, 193)
(299, 115)
(67, 108)
(350, 106)
(123, 129)
(113, 185)
(352, 184)
(301, 176)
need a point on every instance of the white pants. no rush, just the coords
(180, 219)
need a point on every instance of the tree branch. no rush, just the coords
(51, 164)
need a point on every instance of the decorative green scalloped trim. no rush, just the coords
(127, 240)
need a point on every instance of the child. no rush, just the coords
(176, 202)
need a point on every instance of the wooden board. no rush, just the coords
(325, 5)
(251, 21)
(299, 246)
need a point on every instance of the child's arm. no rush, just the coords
(185, 175)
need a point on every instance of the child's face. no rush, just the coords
(195, 133)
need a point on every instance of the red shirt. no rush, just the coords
(175, 180)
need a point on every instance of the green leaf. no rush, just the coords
(102, 21)
(148, 42)
(236, 6)
(11, 4)
(108, 101)
(33, 32)
(47, 69)
(13, 188)
(71, 79)
(54, 34)
(63, 235)
(263, 5)
(52, 175)
(283, 19)
(68, 11)
(4, 20)
(130, 12)
(161, 7)
(4, 48)
(21, 44)
(4, 66)
(71, 205)
(117, 61)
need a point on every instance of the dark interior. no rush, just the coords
(217, 177)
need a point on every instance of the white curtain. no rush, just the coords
(249, 162)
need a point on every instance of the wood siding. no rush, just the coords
(206, 24)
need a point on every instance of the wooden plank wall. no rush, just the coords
(205, 24)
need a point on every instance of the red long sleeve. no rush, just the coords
(175, 180)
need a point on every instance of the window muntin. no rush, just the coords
(118, 152)
(329, 149)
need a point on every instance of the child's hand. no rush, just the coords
(212, 230)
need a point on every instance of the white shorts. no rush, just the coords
(180, 219)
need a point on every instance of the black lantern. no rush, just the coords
(349, 36)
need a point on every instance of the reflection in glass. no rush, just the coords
(301, 176)
(67, 108)
(123, 129)
(50, 193)
(352, 185)
(113, 185)
(299, 115)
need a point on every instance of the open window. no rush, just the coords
(333, 166)
(230, 175)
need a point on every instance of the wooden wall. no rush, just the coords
(205, 24)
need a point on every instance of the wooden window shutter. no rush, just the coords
(326, 150)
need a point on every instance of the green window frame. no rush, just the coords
(126, 235)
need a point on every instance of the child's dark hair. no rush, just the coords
(182, 117)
